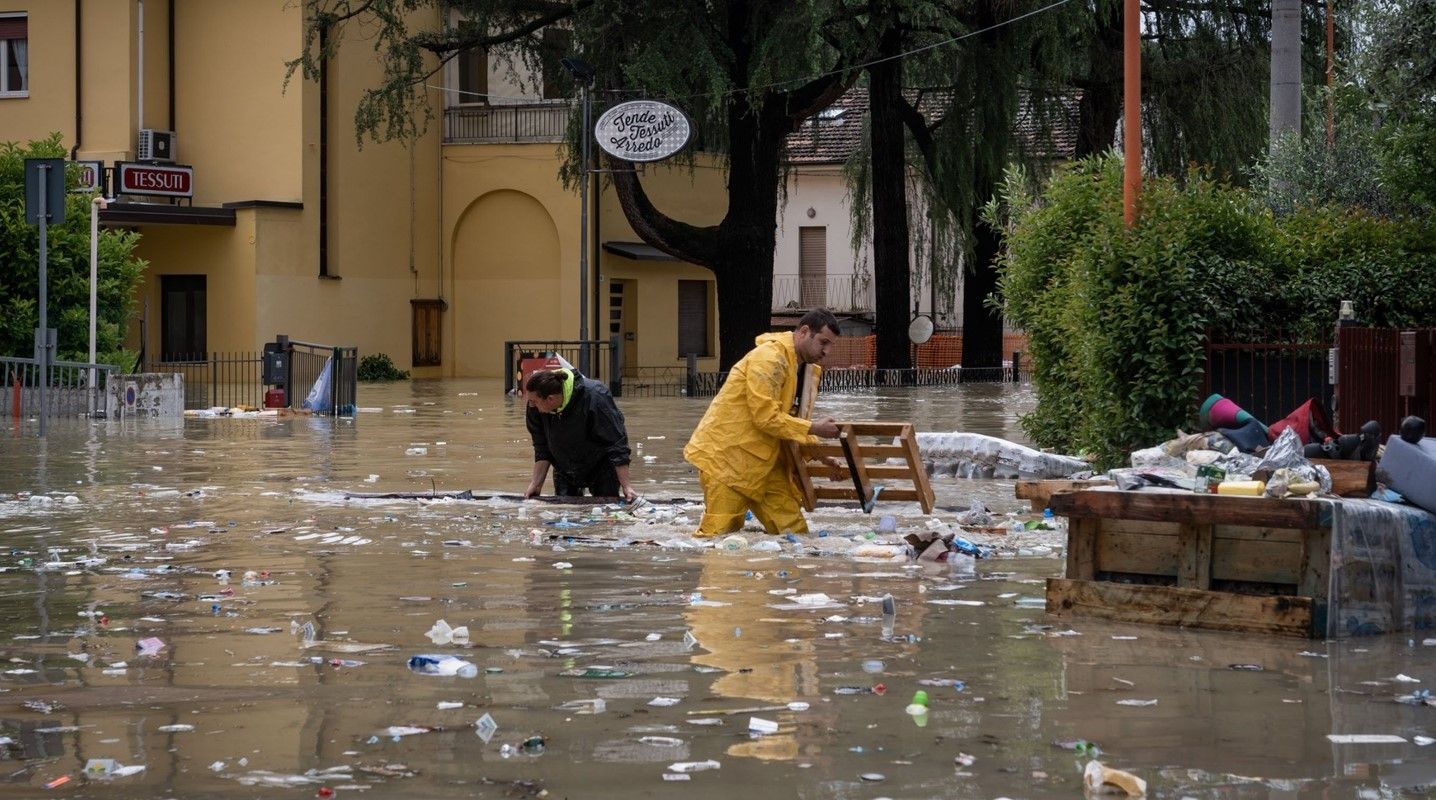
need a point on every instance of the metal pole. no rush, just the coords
(583, 355)
(1132, 109)
(95, 205)
(44, 217)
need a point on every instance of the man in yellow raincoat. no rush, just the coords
(737, 445)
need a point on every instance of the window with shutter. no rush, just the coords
(813, 266)
(14, 55)
(693, 319)
(473, 65)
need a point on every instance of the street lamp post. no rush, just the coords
(98, 204)
(583, 73)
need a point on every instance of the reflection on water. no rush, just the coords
(133, 521)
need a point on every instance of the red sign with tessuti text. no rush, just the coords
(155, 179)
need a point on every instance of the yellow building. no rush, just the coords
(435, 252)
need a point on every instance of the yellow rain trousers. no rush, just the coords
(737, 445)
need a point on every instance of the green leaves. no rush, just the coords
(68, 267)
(1117, 320)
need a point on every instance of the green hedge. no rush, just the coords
(1117, 319)
(119, 274)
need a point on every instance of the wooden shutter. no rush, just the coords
(14, 28)
(813, 266)
(693, 318)
(428, 332)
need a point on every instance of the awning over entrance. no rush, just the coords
(165, 214)
(638, 251)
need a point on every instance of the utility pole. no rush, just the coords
(1131, 109)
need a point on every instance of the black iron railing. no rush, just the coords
(524, 122)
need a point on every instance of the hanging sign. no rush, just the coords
(642, 130)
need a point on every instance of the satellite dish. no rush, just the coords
(920, 329)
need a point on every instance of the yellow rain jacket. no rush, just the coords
(737, 441)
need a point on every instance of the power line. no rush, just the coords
(788, 81)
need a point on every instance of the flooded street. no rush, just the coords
(293, 681)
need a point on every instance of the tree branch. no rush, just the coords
(441, 43)
(678, 239)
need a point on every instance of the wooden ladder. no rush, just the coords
(887, 440)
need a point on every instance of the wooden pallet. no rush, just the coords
(893, 440)
(1161, 558)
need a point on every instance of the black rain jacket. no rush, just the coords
(588, 431)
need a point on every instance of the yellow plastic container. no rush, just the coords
(1242, 488)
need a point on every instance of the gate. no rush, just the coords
(1384, 374)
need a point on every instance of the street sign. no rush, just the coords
(154, 179)
(92, 177)
(45, 176)
(642, 130)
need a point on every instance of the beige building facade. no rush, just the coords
(435, 252)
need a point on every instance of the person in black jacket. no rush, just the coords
(578, 430)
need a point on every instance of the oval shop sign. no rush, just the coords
(642, 130)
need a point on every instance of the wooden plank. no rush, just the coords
(1194, 565)
(1258, 533)
(1189, 507)
(1350, 478)
(812, 377)
(1082, 549)
(797, 460)
(849, 493)
(893, 429)
(862, 486)
(1040, 492)
(841, 473)
(925, 496)
(1314, 573)
(1263, 562)
(1141, 527)
(1174, 605)
(798, 468)
(874, 451)
(1138, 553)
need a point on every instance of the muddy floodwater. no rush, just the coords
(194, 609)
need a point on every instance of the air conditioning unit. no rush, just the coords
(156, 145)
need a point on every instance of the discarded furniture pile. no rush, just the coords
(1238, 529)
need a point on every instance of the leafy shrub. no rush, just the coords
(379, 367)
(1117, 318)
(68, 270)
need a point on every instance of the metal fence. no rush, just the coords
(595, 358)
(526, 122)
(306, 364)
(237, 379)
(1268, 380)
(841, 293)
(217, 379)
(73, 389)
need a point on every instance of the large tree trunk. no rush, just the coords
(748, 234)
(981, 326)
(1285, 70)
(891, 251)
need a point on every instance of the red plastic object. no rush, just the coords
(274, 398)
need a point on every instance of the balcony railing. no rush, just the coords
(542, 121)
(835, 292)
